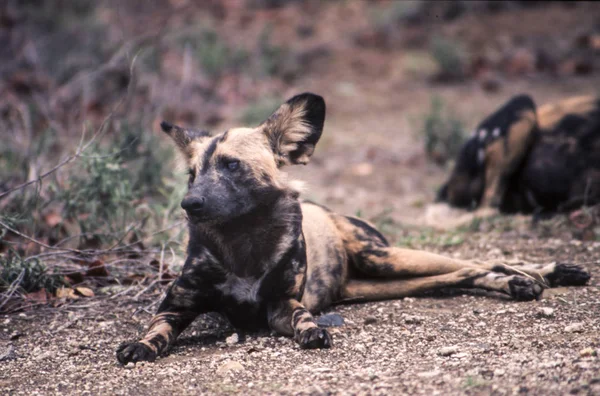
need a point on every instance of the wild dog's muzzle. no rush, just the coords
(194, 205)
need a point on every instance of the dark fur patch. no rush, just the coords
(370, 231)
(210, 150)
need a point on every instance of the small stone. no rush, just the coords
(360, 348)
(231, 366)
(8, 354)
(410, 319)
(448, 351)
(429, 374)
(232, 339)
(330, 320)
(363, 169)
(574, 328)
(370, 320)
(42, 356)
(545, 312)
(587, 352)
(130, 365)
(499, 372)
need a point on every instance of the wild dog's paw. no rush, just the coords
(135, 352)
(524, 289)
(568, 275)
(314, 338)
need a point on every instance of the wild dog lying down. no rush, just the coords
(525, 160)
(264, 258)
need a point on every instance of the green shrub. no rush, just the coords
(122, 185)
(450, 57)
(258, 111)
(214, 54)
(272, 58)
(31, 275)
(443, 133)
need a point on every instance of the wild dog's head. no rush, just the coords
(466, 185)
(239, 170)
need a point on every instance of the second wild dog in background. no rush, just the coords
(531, 160)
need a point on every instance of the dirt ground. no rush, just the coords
(450, 343)
(369, 161)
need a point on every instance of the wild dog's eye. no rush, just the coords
(192, 176)
(232, 165)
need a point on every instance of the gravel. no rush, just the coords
(574, 328)
(451, 342)
(546, 312)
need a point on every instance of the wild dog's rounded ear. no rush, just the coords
(182, 136)
(295, 128)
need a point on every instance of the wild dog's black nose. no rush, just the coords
(193, 204)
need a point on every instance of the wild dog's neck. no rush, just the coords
(246, 244)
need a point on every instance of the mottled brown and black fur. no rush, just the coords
(523, 159)
(264, 258)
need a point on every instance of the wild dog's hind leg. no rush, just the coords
(291, 318)
(370, 253)
(518, 287)
(372, 258)
(189, 295)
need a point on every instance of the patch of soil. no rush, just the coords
(452, 342)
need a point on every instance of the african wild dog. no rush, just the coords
(264, 258)
(523, 160)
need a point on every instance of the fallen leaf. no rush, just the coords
(74, 278)
(85, 291)
(66, 292)
(40, 296)
(97, 268)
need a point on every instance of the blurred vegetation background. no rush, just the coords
(89, 189)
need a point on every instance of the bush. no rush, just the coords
(443, 134)
(120, 186)
(214, 54)
(258, 111)
(450, 57)
(272, 58)
(31, 275)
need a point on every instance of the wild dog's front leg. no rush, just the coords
(291, 318)
(179, 308)
(190, 295)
